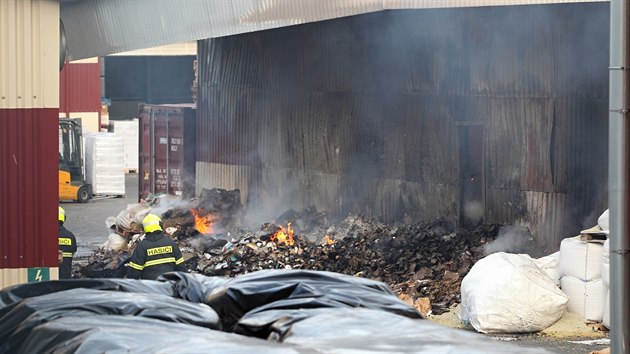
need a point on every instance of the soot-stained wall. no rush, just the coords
(494, 114)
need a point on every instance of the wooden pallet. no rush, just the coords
(594, 237)
(124, 232)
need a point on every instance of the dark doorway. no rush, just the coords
(471, 203)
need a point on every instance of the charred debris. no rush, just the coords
(423, 263)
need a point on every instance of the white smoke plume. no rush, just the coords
(168, 202)
(513, 239)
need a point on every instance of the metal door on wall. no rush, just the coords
(471, 203)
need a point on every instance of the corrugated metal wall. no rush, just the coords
(29, 91)
(362, 114)
(80, 87)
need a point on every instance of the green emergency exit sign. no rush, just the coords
(38, 274)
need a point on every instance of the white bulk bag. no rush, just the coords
(508, 293)
(604, 221)
(549, 264)
(586, 298)
(138, 211)
(115, 242)
(581, 260)
(606, 264)
(124, 219)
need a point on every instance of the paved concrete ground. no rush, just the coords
(570, 335)
(87, 221)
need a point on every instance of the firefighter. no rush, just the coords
(67, 247)
(156, 254)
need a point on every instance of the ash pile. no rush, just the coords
(423, 263)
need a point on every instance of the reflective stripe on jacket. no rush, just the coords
(68, 246)
(155, 255)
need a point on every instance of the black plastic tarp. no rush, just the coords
(295, 311)
(193, 287)
(18, 320)
(272, 290)
(16, 293)
(370, 331)
(125, 334)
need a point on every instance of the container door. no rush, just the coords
(162, 153)
(170, 153)
(145, 154)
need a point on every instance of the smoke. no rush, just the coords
(512, 239)
(265, 205)
(473, 211)
(591, 219)
(167, 202)
(375, 99)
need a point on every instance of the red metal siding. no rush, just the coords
(80, 88)
(28, 187)
(167, 150)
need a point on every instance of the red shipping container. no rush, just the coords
(167, 150)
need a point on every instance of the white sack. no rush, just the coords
(604, 221)
(606, 264)
(606, 319)
(586, 298)
(133, 213)
(581, 260)
(124, 219)
(137, 212)
(110, 221)
(550, 265)
(508, 293)
(115, 242)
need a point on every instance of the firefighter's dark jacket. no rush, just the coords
(155, 255)
(67, 245)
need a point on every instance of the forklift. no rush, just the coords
(72, 184)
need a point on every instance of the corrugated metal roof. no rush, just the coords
(185, 48)
(97, 28)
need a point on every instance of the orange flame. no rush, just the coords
(328, 240)
(203, 224)
(284, 236)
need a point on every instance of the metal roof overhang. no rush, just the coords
(98, 28)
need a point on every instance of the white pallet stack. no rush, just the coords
(104, 163)
(128, 129)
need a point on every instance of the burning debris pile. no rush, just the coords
(214, 210)
(420, 262)
(423, 263)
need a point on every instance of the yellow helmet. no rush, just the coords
(62, 215)
(151, 223)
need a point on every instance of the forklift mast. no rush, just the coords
(70, 154)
